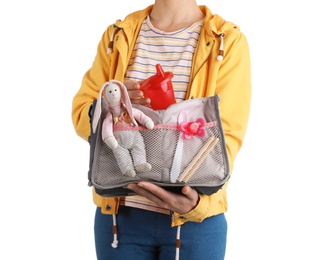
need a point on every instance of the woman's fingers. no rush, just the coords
(135, 94)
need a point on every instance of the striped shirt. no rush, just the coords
(174, 52)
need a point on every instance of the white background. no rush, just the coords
(279, 193)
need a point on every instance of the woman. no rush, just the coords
(207, 56)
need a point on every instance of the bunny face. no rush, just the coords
(115, 95)
(112, 94)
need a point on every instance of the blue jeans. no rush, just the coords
(146, 235)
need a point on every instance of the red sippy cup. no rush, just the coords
(159, 89)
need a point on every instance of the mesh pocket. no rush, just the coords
(201, 160)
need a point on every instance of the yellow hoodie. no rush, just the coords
(229, 77)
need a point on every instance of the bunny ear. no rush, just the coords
(126, 100)
(98, 108)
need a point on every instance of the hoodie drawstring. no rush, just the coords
(220, 54)
(114, 231)
(177, 243)
(110, 45)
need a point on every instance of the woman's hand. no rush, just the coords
(135, 94)
(179, 203)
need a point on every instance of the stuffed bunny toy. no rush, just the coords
(127, 145)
